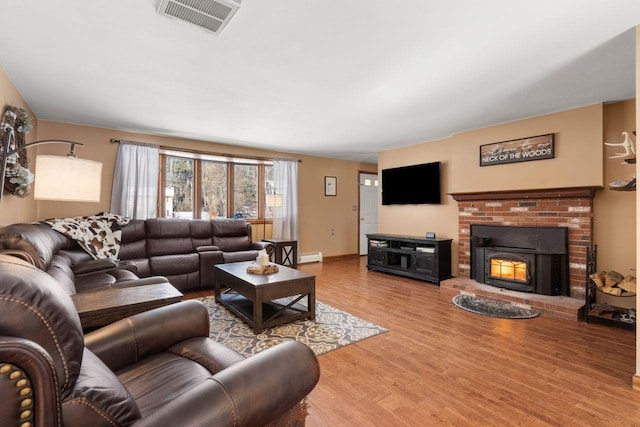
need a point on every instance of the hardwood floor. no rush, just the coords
(440, 365)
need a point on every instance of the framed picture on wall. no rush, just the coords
(330, 186)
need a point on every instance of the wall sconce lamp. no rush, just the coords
(57, 177)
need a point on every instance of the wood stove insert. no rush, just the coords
(525, 259)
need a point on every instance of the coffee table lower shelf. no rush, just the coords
(276, 312)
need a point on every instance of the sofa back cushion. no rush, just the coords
(168, 236)
(201, 233)
(231, 234)
(133, 243)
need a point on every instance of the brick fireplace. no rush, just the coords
(567, 207)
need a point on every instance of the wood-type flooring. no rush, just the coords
(440, 365)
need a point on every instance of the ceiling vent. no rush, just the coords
(209, 15)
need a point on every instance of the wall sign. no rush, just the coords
(517, 150)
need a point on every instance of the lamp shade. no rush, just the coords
(274, 200)
(67, 179)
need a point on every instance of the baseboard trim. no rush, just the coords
(635, 382)
(340, 257)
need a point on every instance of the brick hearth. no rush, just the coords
(568, 207)
(554, 306)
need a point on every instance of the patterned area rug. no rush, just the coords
(493, 308)
(331, 329)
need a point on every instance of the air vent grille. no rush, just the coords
(209, 15)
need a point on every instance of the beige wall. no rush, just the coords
(12, 208)
(578, 162)
(317, 213)
(614, 211)
(416, 220)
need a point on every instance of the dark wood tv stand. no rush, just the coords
(415, 257)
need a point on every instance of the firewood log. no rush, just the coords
(598, 278)
(612, 278)
(612, 290)
(628, 284)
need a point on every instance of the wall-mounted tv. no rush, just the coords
(411, 185)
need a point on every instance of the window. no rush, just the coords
(270, 201)
(245, 191)
(214, 180)
(178, 187)
(204, 186)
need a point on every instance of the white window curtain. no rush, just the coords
(135, 181)
(285, 218)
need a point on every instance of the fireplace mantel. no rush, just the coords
(546, 193)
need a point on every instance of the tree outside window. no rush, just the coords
(245, 191)
(214, 189)
(179, 187)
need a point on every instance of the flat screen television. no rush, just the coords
(411, 185)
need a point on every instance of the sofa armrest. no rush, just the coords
(152, 280)
(267, 246)
(129, 340)
(34, 364)
(248, 393)
(92, 266)
(207, 248)
(208, 259)
(127, 265)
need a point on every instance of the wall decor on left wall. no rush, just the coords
(18, 177)
(59, 178)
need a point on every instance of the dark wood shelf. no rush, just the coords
(415, 257)
(611, 317)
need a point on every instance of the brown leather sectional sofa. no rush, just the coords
(157, 368)
(181, 251)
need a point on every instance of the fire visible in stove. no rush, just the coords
(509, 269)
(524, 259)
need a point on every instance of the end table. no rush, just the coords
(104, 306)
(285, 251)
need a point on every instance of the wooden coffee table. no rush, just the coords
(99, 308)
(266, 300)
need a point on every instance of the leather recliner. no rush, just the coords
(155, 368)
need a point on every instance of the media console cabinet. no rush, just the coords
(415, 257)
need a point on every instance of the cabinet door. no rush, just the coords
(376, 256)
(426, 264)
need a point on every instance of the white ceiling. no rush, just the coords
(341, 79)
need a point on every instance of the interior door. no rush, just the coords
(368, 208)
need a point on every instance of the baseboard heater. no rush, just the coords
(310, 257)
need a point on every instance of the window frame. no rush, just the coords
(230, 161)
